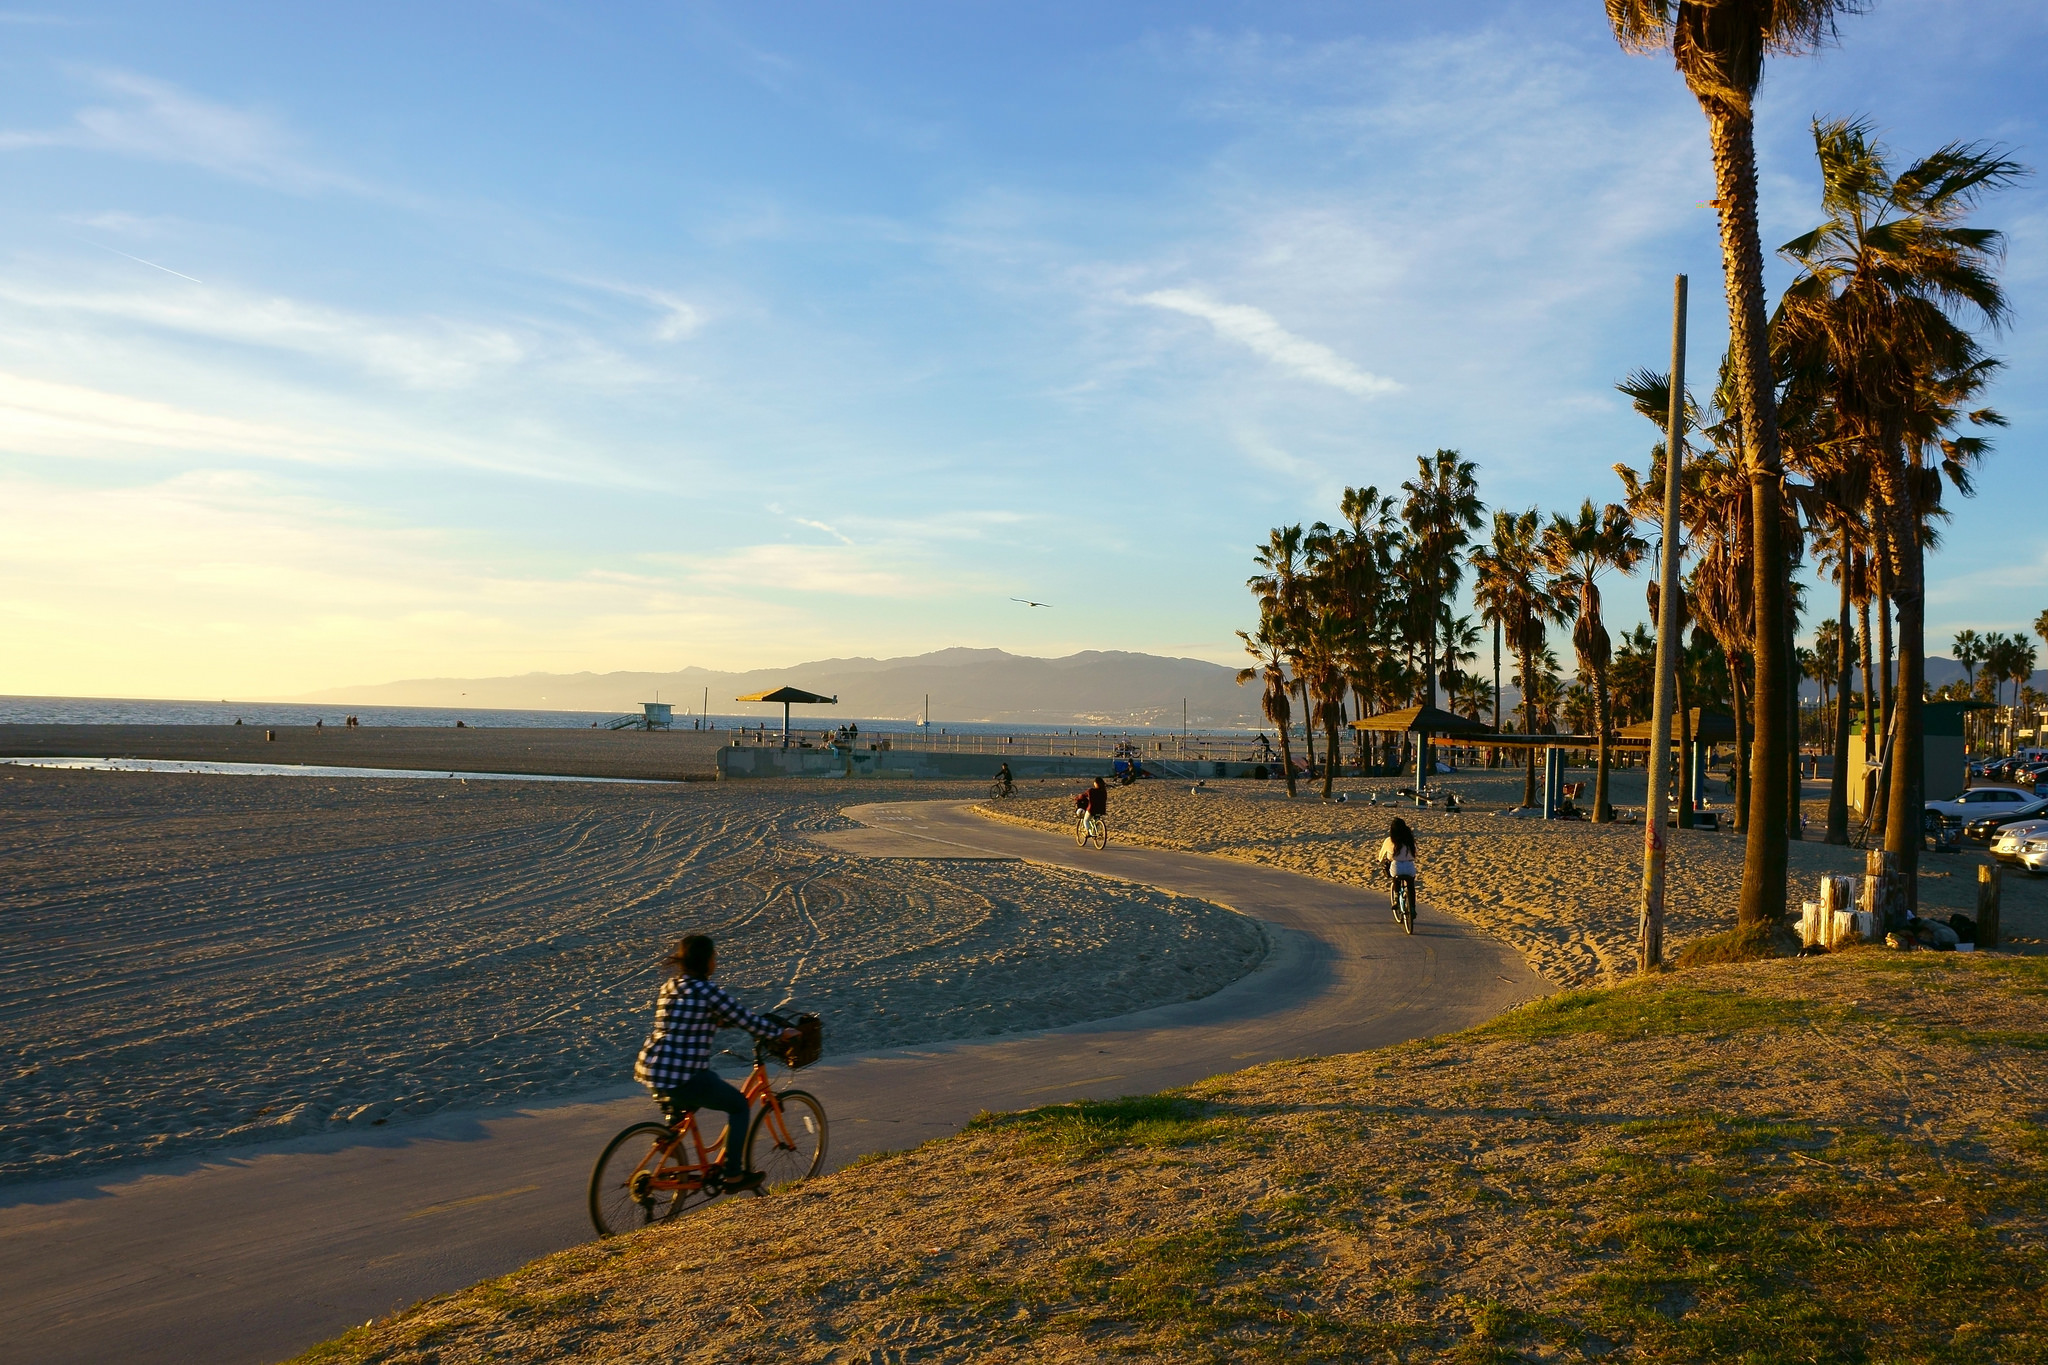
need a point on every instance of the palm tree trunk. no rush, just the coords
(1903, 817)
(1794, 785)
(1739, 694)
(1308, 728)
(1602, 811)
(1286, 754)
(1529, 727)
(1685, 820)
(1731, 138)
(1883, 598)
(1864, 798)
(1838, 784)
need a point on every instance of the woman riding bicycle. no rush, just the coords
(1397, 854)
(1094, 802)
(675, 1061)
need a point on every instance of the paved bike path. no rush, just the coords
(252, 1257)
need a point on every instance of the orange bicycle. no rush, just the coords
(654, 1171)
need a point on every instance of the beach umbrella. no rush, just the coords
(1421, 719)
(788, 696)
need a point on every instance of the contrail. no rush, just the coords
(118, 252)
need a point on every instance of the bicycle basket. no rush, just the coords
(809, 1044)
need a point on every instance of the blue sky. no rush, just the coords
(347, 344)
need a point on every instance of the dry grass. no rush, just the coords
(1834, 1159)
(1563, 894)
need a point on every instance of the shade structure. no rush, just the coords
(789, 696)
(1708, 727)
(1416, 719)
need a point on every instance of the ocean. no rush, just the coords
(124, 711)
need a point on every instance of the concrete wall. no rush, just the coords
(751, 761)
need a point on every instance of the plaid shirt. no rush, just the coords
(689, 1012)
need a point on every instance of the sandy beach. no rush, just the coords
(198, 962)
(1564, 894)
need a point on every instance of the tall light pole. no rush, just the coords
(1650, 935)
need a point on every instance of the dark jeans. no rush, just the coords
(706, 1090)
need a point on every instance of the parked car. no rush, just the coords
(1982, 801)
(2029, 775)
(2032, 853)
(2006, 848)
(1984, 828)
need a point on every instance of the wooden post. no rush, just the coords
(1988, 888)
(1884, 890)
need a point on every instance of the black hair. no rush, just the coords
(1402, 836)
(691, 956)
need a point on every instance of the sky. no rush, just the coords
(351, 343)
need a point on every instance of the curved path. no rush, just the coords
(256, 1256)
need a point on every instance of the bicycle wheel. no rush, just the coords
(639, 1181)
(1081, 832)
(795, 1148)
(1102, 832)
(1408, 909)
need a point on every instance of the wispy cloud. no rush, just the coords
(678, 317)
(150, 118)
(1261, 332)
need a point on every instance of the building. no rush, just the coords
(1944, 767)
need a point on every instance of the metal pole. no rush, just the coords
(785, 725)
(1650, 941)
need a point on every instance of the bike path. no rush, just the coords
(255, 1256)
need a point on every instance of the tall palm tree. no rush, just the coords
(1271, 673)
(1720, 47)
(1968, 650)
(1511, 590)
(1283, 612)
(1441, 511)
(1577, 551)
(1882, 284)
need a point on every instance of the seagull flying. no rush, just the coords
(1029, 603)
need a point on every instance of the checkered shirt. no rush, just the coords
(689, 1012)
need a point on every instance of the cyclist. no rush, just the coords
(1094, 802)
(675, 1061)
(1397, 855)
(1003, 782)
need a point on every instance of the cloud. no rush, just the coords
(838, 535)
(1259, 331)
(679, 317)
(154, 119)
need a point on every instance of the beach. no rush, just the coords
(196, 963)
(1564, 894)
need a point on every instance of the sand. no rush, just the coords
(665, 754)
(191, 963)
(1563, 894)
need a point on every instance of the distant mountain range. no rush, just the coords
(1093, 688)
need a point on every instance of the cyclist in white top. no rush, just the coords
(1397, 855)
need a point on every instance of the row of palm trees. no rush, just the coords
(1838, 421)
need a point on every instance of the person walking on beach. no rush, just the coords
(675, 1061)
(1397, 855)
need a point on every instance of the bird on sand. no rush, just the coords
(1029, 603)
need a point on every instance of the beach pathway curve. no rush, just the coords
(250, 1256)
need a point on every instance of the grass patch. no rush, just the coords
(1650, 1009)
(1091, 1127)
(1745, 943)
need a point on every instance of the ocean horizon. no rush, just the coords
(27, 710)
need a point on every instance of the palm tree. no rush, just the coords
(1271, 671)
(1510, 589)
(1720, 47)
(1968, 649)
(1577, 551)
(1282, 611)
(1441, 511)
(1882, 283)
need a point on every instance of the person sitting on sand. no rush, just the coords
(1094, 802)
(675, 1061)
(1397, 854)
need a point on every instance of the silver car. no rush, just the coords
(2012, 840)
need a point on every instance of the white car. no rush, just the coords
(1981, 801)
(2034, 852)
(2010, 843)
